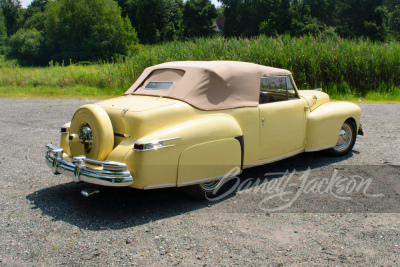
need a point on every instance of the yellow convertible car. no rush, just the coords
(189, 124)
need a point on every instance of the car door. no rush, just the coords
(282, 117)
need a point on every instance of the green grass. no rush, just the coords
(53, 76)
(78, 91)
(86, 92)
(353, 66)
(346, 69)
(60, 82)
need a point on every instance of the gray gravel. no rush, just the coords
(45, 221)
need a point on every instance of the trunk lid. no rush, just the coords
(136, 103)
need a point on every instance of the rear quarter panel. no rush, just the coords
(206, 140)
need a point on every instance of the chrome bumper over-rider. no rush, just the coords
(112, 173)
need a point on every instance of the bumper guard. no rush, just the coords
(113, 173)
(360, 130)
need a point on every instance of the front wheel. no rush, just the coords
(346, 140)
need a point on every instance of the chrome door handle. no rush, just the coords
(263, 120)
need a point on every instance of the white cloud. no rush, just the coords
(25, 3)
(216, 3)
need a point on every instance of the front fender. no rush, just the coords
(324, 123)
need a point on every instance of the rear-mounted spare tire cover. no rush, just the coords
(92, 120)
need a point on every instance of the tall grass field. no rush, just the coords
(346, 69)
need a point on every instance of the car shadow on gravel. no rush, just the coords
(119, 208)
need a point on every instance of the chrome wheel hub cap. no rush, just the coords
(344, 139)
(86, 137)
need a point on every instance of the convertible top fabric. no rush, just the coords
(208, 85)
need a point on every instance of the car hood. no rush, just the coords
(137, 103)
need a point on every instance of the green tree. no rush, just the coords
(248, 17)
(198, 18)
(25, 46)
(363, 18)
(87, 30)
(12, 15)
(284, 16)
(129, 8)
(394, 23)
(3, 31)
(232, 14)
(159, 20)
(36, 21)
(34, 16)
(301, 17)
(326, 11)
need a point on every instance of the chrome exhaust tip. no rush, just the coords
(90, 192)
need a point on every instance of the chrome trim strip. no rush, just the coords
(206, 180)
(158, 186)
(155, 142)
(318, 149)
(154, 148)
(113, 173)
(273, 160)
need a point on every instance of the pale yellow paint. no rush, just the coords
(64, 144)
(324, 123)
(207, 138)
(284, 128)
(211, 159)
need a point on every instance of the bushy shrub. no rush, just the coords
(25, 46)
(81, 30)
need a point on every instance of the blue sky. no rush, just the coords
(25, 3)
(216, 3)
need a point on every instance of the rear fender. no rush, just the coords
(205, 141)
(209, 161)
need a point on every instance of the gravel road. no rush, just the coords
(322, 211)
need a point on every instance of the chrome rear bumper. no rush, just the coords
(112, 173)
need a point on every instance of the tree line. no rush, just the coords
(375, 19)
(81, 30)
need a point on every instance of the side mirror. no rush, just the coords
(314, 99)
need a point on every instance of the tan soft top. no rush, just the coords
(208, 85)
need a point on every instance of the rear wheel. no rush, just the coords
(346, 139)
(204, 191)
